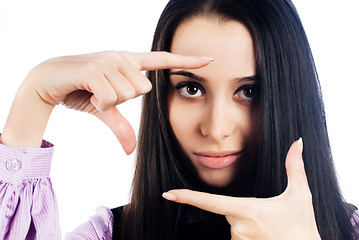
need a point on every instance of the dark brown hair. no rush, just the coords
(291, 106)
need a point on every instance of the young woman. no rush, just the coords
(220, 128)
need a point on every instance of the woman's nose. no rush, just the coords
(218, 122)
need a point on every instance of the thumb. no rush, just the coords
(297, 178)
(120, 127)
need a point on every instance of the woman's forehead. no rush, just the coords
(229, 43)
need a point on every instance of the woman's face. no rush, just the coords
(212, 110)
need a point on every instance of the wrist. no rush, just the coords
(27, 119)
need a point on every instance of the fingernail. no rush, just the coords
(208, 58)
(169, 196)
(300, 146)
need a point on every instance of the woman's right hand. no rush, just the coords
(97, 82)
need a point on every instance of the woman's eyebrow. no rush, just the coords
(200, 79)
(188, 74)
(247, 78)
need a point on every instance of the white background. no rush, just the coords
(89, 166)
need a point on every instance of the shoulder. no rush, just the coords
(99, 227)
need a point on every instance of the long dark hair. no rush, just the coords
(291, 106)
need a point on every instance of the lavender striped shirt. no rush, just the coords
(28, 207)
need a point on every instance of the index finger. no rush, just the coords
(166, 60)
(219, 204)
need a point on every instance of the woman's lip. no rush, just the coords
(217, 160)
(217, 153)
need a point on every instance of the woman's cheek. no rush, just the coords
(184, 119)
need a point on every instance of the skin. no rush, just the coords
(221, 116)
(287, 216)
(223, 120)
(94, 83)
(97, 82)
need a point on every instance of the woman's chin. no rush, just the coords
(217, 179)
(227, 184)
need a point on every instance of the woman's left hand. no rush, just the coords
(287, 216)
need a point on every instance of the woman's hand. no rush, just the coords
(287, 216)
(93, 83)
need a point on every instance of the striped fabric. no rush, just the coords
(28, 207)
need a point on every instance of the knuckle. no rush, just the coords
(307, 197)
(145, 87)
(90, 65)
(236, 230)
(118, 56)
(107, 53)
(131, 93)
(112, 52)
(303, 199)
(111, 99)
(109, 58)
(92, 68)
(122, 53)
(126, 95)
(107, 102)
(304, 194)
(121, 61)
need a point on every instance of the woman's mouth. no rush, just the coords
(217, 160)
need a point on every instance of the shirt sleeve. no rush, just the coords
(28, 206)
(99, 227)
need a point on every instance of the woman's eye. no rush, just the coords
(189, 90)
(248, 92)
